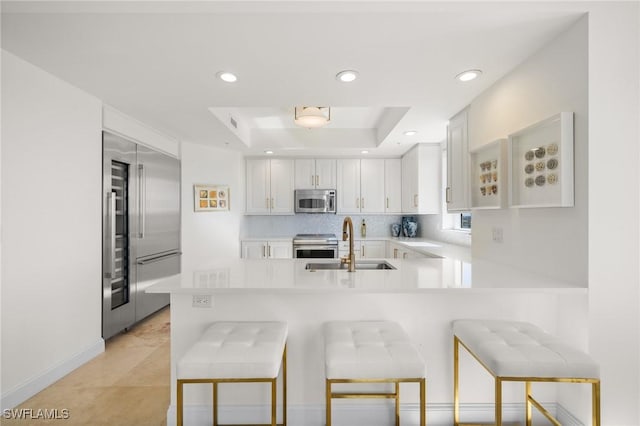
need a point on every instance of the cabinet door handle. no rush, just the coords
(395, 253)
(317, 180)
(142, 196)
(264, 251)
(362, 249)
(269, 250)
(266, 203)
(358, 202)
(362, 203)
(415, 200)
(387, 202)
(448, 194)
(272, 204)
(311, 180)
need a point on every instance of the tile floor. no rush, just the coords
(126, 385)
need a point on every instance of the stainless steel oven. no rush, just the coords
(315, 201)
(315, 246)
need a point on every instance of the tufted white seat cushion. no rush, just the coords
(370, 350)
(235, 350)
(520, 349)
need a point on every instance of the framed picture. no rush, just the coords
(541, 164)
(211, 198)
(489, 175)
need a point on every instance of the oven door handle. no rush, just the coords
(308, 247)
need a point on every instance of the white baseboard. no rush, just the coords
(33, 385)
(350, 414)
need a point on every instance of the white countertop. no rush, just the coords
(290, 275)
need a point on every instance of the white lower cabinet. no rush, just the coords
(267, 249)
(372, 249)
(363, 249)
(397, 251)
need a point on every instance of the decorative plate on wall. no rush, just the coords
(541, 164)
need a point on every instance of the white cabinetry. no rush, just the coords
(372, 198)
(318, 173)
(360, 186)
(363, 249)
(457, 192)
(267, 249)
(421, 179)
(269, 186)
(393, 185)
(372, 249)
(398, 251)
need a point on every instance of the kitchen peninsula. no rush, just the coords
(423, 295)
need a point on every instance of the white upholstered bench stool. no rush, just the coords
(521, 352)
(371, 352)
(236, 352)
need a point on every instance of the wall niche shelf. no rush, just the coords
(489, 175)
(541, 164)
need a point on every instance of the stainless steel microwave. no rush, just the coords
(315, 200)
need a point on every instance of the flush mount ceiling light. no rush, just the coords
(468, 75)
(311, 117)
(347, 76)
(268, 152)
(364, 152)
(410, 132)
(227, 76)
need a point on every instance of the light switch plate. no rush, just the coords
(497, 234)
(201, 301)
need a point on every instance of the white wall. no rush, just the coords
(550, 241)
(51, 236)
(207, 235)
(614, 247)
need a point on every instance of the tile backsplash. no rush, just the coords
(285, 226)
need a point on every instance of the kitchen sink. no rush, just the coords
(363, 265)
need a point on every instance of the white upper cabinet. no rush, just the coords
(348, 186)
(457, 192)
(362, 186)
(372, 197)
(318, 173)
(269, 186)
(421, 179)
(393, 185)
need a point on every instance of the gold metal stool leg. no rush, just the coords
(528, 414)
(328, 403)
(284, 386)
(397, 403)
(423, 402)
(498, 402)
(456, 408)
(215, 403)
(179, 402)
(595, 403)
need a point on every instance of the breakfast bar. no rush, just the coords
(423, 295)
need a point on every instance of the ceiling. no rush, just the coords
(157, 61)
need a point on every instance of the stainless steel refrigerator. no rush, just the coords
(141, 230)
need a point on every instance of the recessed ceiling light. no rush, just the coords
(469, 75)
(347, 76)
(227, 76)
(410, 132)
(364, 152)
(268, 152)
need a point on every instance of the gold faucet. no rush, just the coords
(351, 258)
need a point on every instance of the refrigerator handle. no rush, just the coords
(142, 195)
(111, 220)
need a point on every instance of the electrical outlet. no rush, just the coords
(497, 234)
(201, 301)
